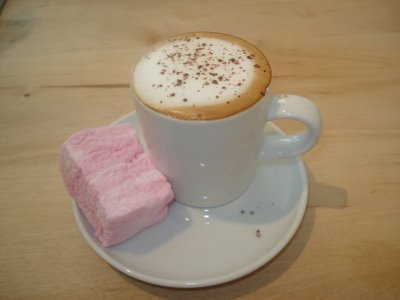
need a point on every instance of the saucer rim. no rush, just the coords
(284, 241)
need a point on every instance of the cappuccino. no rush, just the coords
(201, 76)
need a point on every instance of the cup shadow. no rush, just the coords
(321, 195)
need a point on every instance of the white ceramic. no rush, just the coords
(197, 247)
(210, 163)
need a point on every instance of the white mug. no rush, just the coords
(212, 162)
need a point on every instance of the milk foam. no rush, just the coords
(188, 75)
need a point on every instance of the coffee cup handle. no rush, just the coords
(276, 146)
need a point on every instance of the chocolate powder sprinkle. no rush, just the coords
(198, 60)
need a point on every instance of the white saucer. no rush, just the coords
(196, 247)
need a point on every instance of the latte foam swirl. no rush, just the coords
(201, 76)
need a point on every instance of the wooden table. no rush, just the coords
(64, 66)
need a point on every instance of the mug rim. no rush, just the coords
(170, 116)
(201, 121)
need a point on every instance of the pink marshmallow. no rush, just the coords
(114, 183)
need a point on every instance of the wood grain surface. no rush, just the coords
(64, 66)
